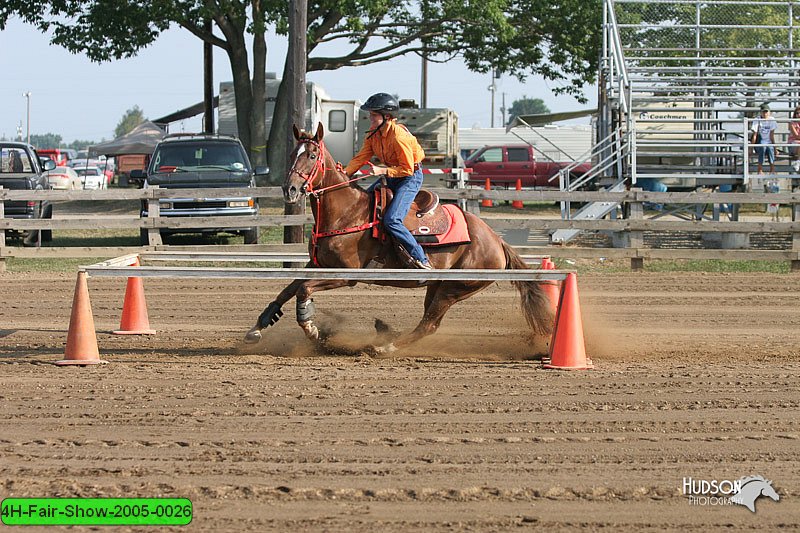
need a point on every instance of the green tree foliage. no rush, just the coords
(82, 145)
(47, 140)
(557, 39)
(527, 106)
(132, 118)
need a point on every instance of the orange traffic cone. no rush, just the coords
(551, 287)
(517, 204)
(134, 319)
(81, 339)
(567, 349)
(487, 202)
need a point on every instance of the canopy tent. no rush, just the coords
(548, 118)
(140, 140)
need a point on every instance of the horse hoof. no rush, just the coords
(253, 336)
(385, 350)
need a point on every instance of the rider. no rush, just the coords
(394, 145)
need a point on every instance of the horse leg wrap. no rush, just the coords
(270, 315)
(305, 310)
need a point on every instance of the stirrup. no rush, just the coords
(422, 265)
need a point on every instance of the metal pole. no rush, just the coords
(27, 95)
(424, 83)
(492, 89)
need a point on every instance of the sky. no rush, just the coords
(80, 100)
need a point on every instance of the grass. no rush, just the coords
(602, 265)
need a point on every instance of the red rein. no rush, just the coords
(308, 186)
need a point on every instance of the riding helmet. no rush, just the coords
(381, 102)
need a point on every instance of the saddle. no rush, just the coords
(430, 223)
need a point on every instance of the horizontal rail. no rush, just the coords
(357, 274)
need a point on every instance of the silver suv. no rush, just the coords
(182, 161)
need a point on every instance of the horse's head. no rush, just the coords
(308, 167)
(769, 491)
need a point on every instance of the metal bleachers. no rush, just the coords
(682, 82)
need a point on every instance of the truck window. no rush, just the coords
(492, 155)
(518, 154)
(337, 120)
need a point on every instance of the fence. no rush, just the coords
(629, 230)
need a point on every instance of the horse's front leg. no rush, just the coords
(273, 312)
(306, 311)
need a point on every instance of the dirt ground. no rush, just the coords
(696, 376)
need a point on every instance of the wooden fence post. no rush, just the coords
(636, 238)
(2, 236)
(795, 263)
(153, 212)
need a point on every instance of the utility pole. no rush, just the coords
(503, 109)
(296, 76)
(424, 84)
(208, 82)
(492, 89)
(27, 95)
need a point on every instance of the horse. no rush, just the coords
(752, 487)
(342, 217)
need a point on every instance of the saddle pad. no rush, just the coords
(456, 233)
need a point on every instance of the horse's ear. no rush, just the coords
(320, 132)
(296, 132)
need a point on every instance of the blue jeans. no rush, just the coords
(404, 189)
(768, 151)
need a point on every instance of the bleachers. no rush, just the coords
(681, 81)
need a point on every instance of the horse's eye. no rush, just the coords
(312, 156)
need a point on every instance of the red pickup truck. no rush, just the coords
(503, 165)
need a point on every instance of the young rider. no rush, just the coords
(396, 148)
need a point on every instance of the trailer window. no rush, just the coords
(337, 120)
(518, 154)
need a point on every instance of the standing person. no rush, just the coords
(764, 138)
(794, 139)
(399, 150)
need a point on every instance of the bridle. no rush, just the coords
(311, 175)
(308, 188)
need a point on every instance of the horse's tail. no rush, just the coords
(534, 302)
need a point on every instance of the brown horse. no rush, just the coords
(341, 215)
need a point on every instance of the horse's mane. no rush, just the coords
(748, 479)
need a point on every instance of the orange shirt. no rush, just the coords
(394, 146)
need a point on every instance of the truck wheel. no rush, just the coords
(47, 234)
(251, 236)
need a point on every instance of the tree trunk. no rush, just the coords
(276, 146)
(257, 115)
(243, 94)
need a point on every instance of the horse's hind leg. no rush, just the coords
(438, 300)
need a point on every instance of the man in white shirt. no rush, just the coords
(763, 130)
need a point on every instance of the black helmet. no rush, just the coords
(381, 102)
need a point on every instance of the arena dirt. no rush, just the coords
(696, 376)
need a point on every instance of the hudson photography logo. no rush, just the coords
(743, 491)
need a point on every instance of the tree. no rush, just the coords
(73, 24)
(132, 118)
(557, 39)
(527, 106)
(45, 141)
